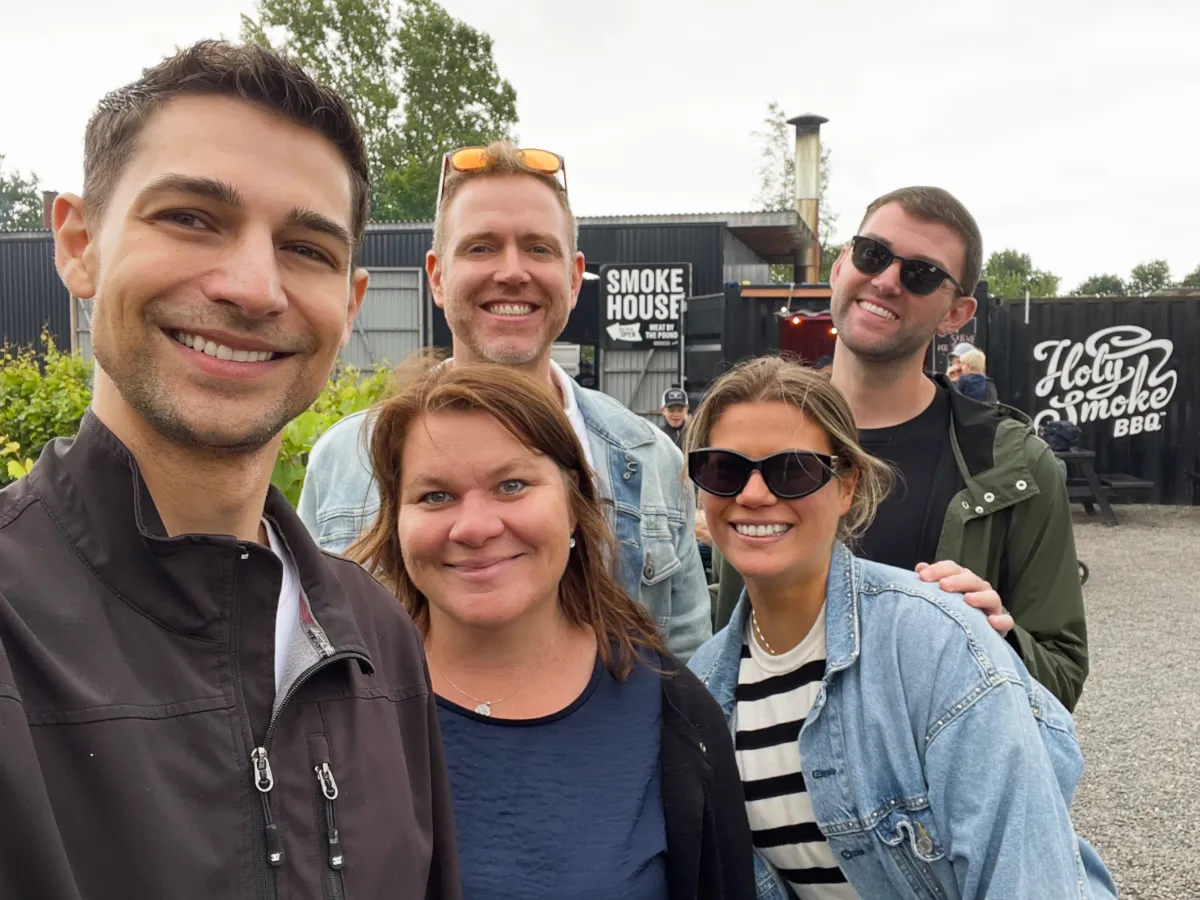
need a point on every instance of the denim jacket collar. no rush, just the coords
(622, 431)
(842, 631)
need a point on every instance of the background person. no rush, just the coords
(977, 487)
(577, 769)
(884, 731)
(674, 410)
(973, 380)
(506, 268)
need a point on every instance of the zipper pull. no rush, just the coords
(329, 790)
(264, 780)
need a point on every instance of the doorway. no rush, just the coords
(807, 336)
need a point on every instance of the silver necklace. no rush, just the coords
(758, 633)
(484, 707)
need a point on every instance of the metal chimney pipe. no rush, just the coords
(48, 198)
(808, 188)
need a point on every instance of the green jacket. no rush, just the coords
(1010, 522)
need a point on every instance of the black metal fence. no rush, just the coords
(33, 296)
(1126, 370)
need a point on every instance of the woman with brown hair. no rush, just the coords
(585, 761)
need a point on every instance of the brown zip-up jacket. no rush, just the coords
(143, 750)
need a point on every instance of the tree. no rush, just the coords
(20, 201)
(1104, 285)
(1192, 281)
(777, 186)
(1149, 276)
(1010, 273)
(420, 82)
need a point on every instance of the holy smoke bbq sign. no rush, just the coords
(643, 304)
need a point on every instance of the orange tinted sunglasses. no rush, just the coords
(471, 159)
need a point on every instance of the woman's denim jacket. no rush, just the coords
(639, 470)
(937, 767)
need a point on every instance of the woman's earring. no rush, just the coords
(572, 543)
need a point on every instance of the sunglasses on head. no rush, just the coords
(472, 159)
(789, 475)
(918, 276)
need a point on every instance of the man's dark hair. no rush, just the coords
(254, 74)
(934, 204)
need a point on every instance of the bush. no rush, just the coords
(44, 399)
(348, 391)
(39, 400)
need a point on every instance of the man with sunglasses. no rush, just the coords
(976, 486)
(506, 268)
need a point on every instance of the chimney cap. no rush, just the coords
(808, 121)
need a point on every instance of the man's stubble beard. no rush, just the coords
(146, 394)
(458, 318)
(901, 349)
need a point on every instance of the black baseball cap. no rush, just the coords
(674, 397)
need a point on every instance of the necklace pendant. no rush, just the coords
(484, 709)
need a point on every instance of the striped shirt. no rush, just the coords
(774, 696)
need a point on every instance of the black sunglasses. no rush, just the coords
(789, 475)
(918, 276)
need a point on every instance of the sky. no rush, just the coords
(1067, 127)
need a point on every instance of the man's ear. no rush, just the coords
(961, 312)
(75, 250)
(578, 267)
(835, 272)
(359, 280)
(433, 269)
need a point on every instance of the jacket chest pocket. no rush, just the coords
(339, 527)
(658, 562)
(915, 849)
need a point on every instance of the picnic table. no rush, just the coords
(1094, 489)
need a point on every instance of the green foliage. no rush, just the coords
(1148, 277)
(348, 391)
(1192, 280)
(1104, 285)
(420, 82)
(20, 201)
(1010, 273)
(39, 400)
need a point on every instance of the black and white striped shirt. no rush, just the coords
(774, 696)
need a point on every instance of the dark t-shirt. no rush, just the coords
(675, 434)
(907, 521)
(566, 807)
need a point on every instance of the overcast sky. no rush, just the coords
(1069, 127)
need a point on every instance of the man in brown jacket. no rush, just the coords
(195, 701)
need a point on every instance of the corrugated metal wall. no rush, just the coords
(743, 264)
(32, 296)
(1164, 455)
(701, 245)
(388, 328)
(637, 378)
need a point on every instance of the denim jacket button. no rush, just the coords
(649, 570)
(627, 475)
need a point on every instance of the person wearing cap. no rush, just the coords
(955, 368)
(675, 411)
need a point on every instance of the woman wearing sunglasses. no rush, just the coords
(585, 762)
(890, 743)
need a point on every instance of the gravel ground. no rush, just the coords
(1137, 719)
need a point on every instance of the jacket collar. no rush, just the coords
(989, 449)
(843, 631)
(93, 489)
(603, 416)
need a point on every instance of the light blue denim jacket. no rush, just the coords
(639, 470)
(937, 767)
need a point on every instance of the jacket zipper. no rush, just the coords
(335, 886)
(268, 846)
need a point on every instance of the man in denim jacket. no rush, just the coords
(506, 269)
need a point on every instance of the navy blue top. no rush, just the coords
(566, 807)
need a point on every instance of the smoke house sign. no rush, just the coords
(1118, 374)
(643, 304)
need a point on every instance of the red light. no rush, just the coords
(796, 320)
(832, 331)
